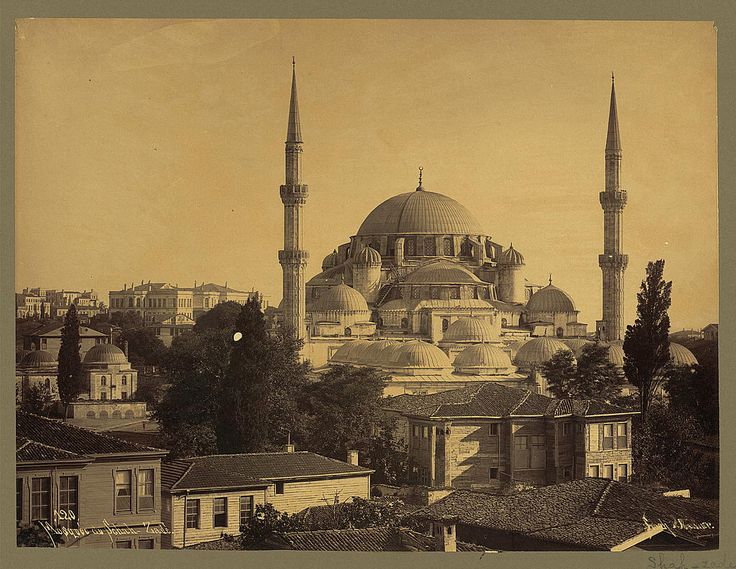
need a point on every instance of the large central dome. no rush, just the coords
(420, 212)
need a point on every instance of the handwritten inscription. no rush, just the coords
(111, 530)
(665, 561)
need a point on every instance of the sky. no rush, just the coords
(153, 150)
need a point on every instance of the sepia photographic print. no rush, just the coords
(367, 286)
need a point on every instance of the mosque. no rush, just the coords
(422, 291)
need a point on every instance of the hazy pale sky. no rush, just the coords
(151, 149)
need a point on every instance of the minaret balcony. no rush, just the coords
(613, 200)
(292, 194)
(293, 257)
(613, 261)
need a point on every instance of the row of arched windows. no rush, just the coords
(430, 246)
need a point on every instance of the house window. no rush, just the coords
(538, 452)
(607, 436)
(593, 471)
(415, 430)
(145, 543)
(425, 432)
(560, 332)
(123, 394)
(103, 396)
(124, 544)
(579, 428)
(565, 429)
(493, 429)
(567, 472)
(279, 487)
(623, 472)
(246, 509)
(18, 499)
(504, 322)
(622, 440)
(41, 499)
(193, 514)
(123, 490)
(68, 499)
(145, 488)
(219, 513)
(608, 471)
(493, 473)
(125, 380)
(522, 456)
(429, 247)
(103, 380)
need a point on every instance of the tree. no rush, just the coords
(387, 455)
(592, 377)
(693, 391)
(344, 409)
(38, 399)
(70, 365)
(265, 521)
(144, 346)
(222, 317)
(646, 344)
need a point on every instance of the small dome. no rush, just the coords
(341, 298)
(38, 358)
(343, 355)
(511, 257)
(422, 355)
(329, 261)
(105, 354)
(515, 346)
(616, 355)
(576, 345)
(442, 272)
(470, 330)
(367, 256)
(538, 350)
(378, 353)
(482, 358)
(681, 356)
(550, 299)
(357, 356)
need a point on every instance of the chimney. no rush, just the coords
(353, 457)
(443, 531)
(288, 447)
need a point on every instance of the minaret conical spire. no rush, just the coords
(613, 138)
(294, 132)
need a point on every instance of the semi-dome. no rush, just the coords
(367, 256)
(341, 298)
(550, 299)
(482, 358)
(422, 355)
(344, 354)
(38, 358)
(511, 257)
(329, 261)
(442, 272)
(378, 353)
(681, 356)
(470, 330)
(420, 212)
(105, 354)
(539, 350)
(576, 344)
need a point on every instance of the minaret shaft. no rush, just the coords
(612, 262)
(294, 194)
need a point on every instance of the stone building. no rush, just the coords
(488, 436)
(38, 368)
(48, 338)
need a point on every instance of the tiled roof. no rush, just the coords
(239, 470)
(27, 450)
(593, 513)
(214, 287)
(368, 539)
(65, 437)
(84, 331)
(490, 399)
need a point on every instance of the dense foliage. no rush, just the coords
(593, 376)
(70, 366)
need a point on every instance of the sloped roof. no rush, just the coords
(368, 539)
(84, 331)
(214, 287)
(593, 513)
(70, 439)
(27, 450)
(253, 469)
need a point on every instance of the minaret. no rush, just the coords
(612, 262)
(293, 258)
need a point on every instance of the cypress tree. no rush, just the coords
(70, 364)
(647, 344)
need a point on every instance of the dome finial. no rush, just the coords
(342, 278)
(419, 187)
(550, 278)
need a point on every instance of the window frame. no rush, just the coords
(217, 503)
(121, 485)
(147, 540)
(612, 468)
(279, 488)
(491, 473)
(622, 441)
(494, 427)
(597, 470)
(249, 511)
(610, 445)
(18, 500)
(68, 505)
(40, 493)
(196, 513)
(142, 486)
(618, 472)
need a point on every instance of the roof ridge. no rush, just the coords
(252, 454)
(35, 442)
(526, 396)
(602, 498)
(191, 464)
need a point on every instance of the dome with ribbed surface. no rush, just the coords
(616, 355)
(378, 353)
(681, 356)
(482, 358)
(422, 355)
(511, 257)
(470, 330)
(105, 354)
(368, 256)
(515, 346)
(38, 358)
(539, 350)
(341, 298)
(576, 344)
(420, 212)
(344, 354)
(550, 299)
(442, 272)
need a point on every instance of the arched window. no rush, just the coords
(416, 292)
(129, 414)
(206, 302)
(130, 302)
(560, 332)
(489, 249)
(466, 248)
(103, 414)
(137, 302)
(380, 322)
(455, 292)
(91, 415)
(430, 248)
(48, 383)
(125, 380)
(445, 324)
(404, 323)
(348, 331)
(117, 415)
(435, 292)
(448, 247)
(103, 380)
(504, 322)
(410, 246)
